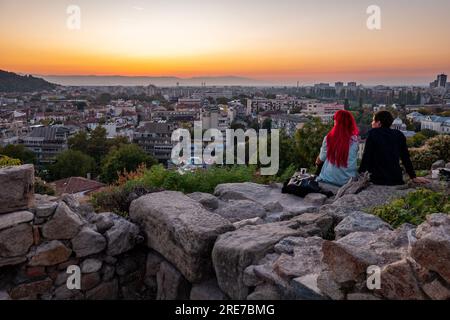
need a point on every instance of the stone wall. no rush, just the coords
(248, 241)
(41, 236)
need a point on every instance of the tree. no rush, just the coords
(222, 100)
(428, 133)
(19, 152)
(72, 163)
(254, 124)
(127, 157)
(116, 142)
(267, 124)
(237, 125)
(80, 142)
(416, 141)
(309, 140)
(289, 154)
(98, 144)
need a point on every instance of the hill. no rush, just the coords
(12, 82)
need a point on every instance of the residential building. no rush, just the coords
(155, 139)
(218, 117)
(289, 122)
(47, 142)
(442, 80)
(111, 128)
(325, 111)
(436, 123)
(415, 116)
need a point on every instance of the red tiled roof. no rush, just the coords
(75, 185)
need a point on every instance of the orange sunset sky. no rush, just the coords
(280, 41)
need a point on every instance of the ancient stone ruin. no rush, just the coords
(248, 241)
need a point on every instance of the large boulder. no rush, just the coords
(239, 210)
(91, 265)
(180, 229)
(235, 251)
(295, 270)
(436, 290)
(348, 258)
(209, 201)
(314, 224)
(372, 196)
(15, 242)
(265, 292)
(16, 191)
(103, 221)
(11, 219)
(267, 196)
(31, 290)
(104, 291)
(305, 287)
(171, 283)
(207, 290)
(45, 209)
(359, 221)
(88, 242)
(122, 236)
(305, 259)
(432, 248)
(398, 281)
(64, 225)
(49, 254)
(242, 191)
(317, 199)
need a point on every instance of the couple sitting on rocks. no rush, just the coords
(337, 161)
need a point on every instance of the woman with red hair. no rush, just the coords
(339, 152)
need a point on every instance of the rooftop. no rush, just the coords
(75, 185)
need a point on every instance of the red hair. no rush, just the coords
(339, 138)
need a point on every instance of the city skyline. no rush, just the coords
(273, 43)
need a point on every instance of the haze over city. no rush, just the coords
(270, 42)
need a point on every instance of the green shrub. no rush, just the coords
(440, 145)
(413, 208)
(196, 181)
(436, 148)
(7, 161)
(422, 158)
(117, 199)
(42, 187)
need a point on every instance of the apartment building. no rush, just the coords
(155, 139)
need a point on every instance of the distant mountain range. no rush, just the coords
(92, 80)
(12, 82)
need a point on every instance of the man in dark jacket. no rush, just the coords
(383, 151)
